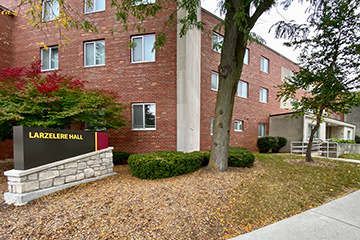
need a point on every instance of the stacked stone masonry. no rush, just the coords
(70, 170)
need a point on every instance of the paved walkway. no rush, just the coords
(336, 220)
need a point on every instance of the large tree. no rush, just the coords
(240, 18)
(330, 61)
(29, 97)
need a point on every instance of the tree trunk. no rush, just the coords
(237, 30)
(313, 131)
(230, 69)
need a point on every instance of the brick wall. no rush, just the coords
(6, 26)
(249, 110)
(152, 82)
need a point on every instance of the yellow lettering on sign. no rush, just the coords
(45, 135)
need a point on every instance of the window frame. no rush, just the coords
(310, 128)
(50, 54)
(211, 126)
(44, 14)
(132, 117)
(145, 2)
(242, 125)
(247, 89)
(94, 4)
(262, 125)
(217, 81)
(94, 42)
(267, 95)
(143, 49)
(247, 56)
(262, 67)
(218, 47)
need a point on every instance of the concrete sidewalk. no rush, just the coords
(336, 220)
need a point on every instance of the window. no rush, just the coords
(143, 116)
(238, 126)
(211, 125)
(138, 2)
(333, 115)
(349, 135)
(214, 81)
(310, 128)
(49, 59)
(339, 116)
(264, 65)
(262, 130)
(143, 51)
(94, 6)
(263, 95)
(243, 89)
(94, 53)
(246, 57)
(50, 10)
(217, 41)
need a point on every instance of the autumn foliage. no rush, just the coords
(29, 97)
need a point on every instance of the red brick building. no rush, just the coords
(170, 93)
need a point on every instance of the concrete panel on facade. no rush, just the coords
(290, 128)
(188, 88)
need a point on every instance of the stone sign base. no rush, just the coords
(27, 185)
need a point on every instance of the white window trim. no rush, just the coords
(102, 10)
(145, 2)
(247, 90)
(261, 65)
(242, 126)
(217, 37)
(267, 95)
(43, 11)
(143, 52)
(248, 56)
(211, 126)
(49, 60)
(132, 117)
(217, 81)
(94, 65)
(263, 124)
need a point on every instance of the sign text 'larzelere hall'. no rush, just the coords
(38, 146)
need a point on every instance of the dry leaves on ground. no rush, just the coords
(124, 207)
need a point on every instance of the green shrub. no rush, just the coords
(357, 139)
(267, 143)
(342, 140)
(237, 149)
(165, 164)
(281, 143)
(120, 157)
(240, 157)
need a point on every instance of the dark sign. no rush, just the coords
(38, 146)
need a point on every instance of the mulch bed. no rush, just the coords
(193, 206)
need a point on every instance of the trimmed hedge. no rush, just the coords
(281, 143)
(171, 164)
(265, 144)
(240, 157)
(120, 157)
(165, 164)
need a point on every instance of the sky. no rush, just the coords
(295, 12)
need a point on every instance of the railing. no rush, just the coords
(326, 149)
(298, 147)
(329, 149)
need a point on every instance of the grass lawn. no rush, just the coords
(205, 204)
(350, 156)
